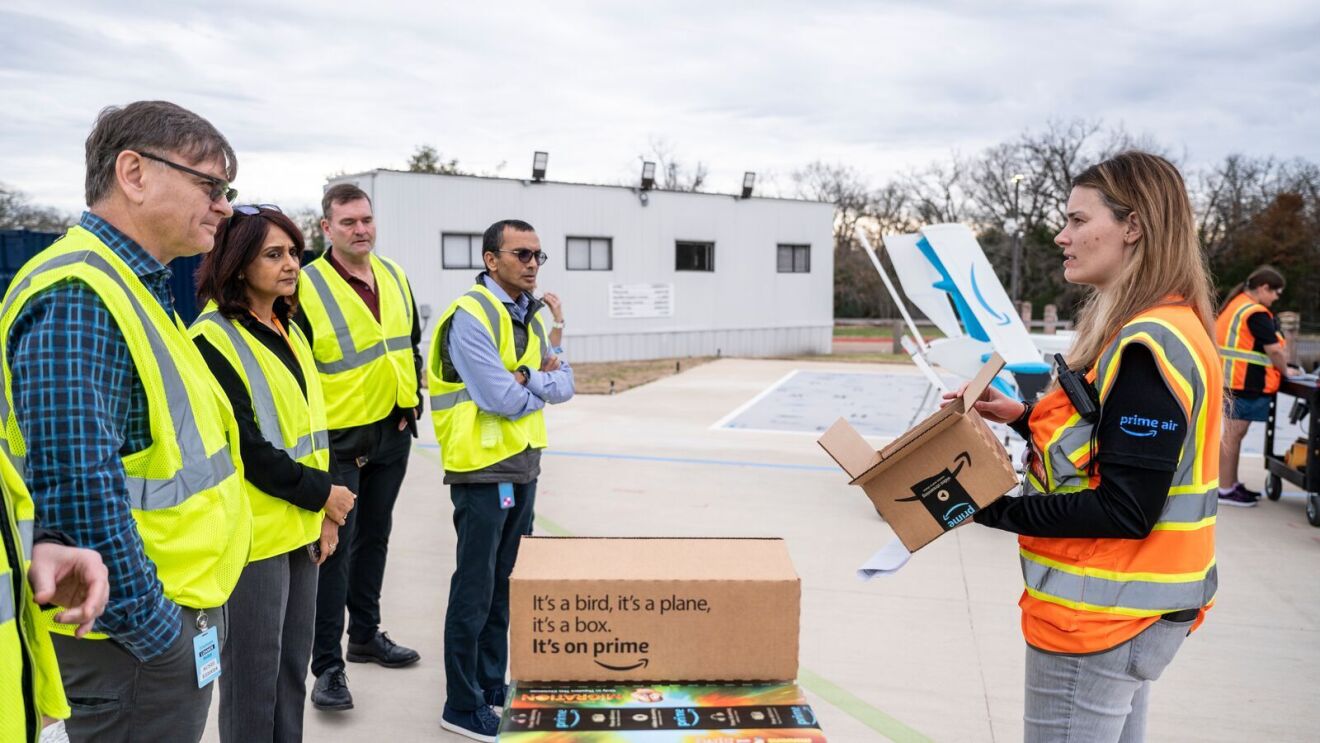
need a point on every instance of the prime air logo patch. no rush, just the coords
(943, 496)
(1144, 428)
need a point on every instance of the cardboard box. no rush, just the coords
(936, 475)
(601, 609)
(658, 713)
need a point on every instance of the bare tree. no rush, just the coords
(17, 212)
(426, 159)
(671, 173)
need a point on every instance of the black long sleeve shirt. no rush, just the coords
(268, 468)
(1136, 468)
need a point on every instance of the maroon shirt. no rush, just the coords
(362, 288)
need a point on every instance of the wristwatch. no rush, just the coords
(557, 324)
(527, 373)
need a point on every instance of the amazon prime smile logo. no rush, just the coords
(943, 496)
(1143, 427)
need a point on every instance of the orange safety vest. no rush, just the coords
(1090, 595)
(1241, 350)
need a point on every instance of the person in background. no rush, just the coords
(247, 286)
(1117, 522)
(32, 701)
(1254, 363)
(491, 373)
(358, 314)
(129, 446)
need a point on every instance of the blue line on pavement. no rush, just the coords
(677, 460)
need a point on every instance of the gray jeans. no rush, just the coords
(1101, 697)
(117, 698)
(272, 614)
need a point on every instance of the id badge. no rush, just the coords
(506, 496)
(206, 654)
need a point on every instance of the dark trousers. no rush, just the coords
(353, 575)
(264, 686)
(117, 698)
(477, 621)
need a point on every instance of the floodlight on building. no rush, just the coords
(648, 175)
(539, 160)
(749, 181)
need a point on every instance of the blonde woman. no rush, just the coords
(1117, 524)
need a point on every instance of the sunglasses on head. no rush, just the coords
(525, 255)
(252, 210)
(218, 187)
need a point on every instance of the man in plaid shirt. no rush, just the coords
(157, 188)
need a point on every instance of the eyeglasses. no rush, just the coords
(218, 187)
(525, 255)
(252, 210)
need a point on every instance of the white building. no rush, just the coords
(642, 274)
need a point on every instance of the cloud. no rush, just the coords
(307, 90)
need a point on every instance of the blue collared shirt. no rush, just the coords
(491, 386)
(81, 406)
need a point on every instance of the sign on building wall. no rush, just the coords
(641, 300)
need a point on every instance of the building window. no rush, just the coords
(590, 254)
(794, 258)
(459, 250)
(694, 256)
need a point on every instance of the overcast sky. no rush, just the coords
(304, 90)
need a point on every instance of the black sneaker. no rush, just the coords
(479, 724)
(1252, 494)
(495, 697)
(1238, 497)
(381, 649)
(331, 692)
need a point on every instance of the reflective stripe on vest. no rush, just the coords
(350, 357)
(1132, 594)
(263, 398)
(25, 536)
(6, 597)
(448, 400)
(1250, 357)
(198, 471)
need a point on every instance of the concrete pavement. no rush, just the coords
(932, 653)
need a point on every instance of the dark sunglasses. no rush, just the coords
(525, 255)
(218, 187)
(252, 210)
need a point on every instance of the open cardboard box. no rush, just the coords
(937, 474)
(638, 609)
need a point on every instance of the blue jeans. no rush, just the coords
(1102, 697)
(477, 620)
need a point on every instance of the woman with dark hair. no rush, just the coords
(263, 362)
(1116, 524)
(1252, 349)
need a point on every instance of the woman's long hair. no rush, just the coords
(1166, 264)
(1262, 276)
(238, 240)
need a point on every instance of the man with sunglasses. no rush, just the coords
(357, 311)
(490, 373)
(125, 443)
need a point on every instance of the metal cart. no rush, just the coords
(1308, 479)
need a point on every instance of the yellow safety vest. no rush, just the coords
(186, 488)
(472, 439)
(290, 421)
(366, 366)
(30, 685)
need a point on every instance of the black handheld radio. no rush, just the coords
(1079, 391)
